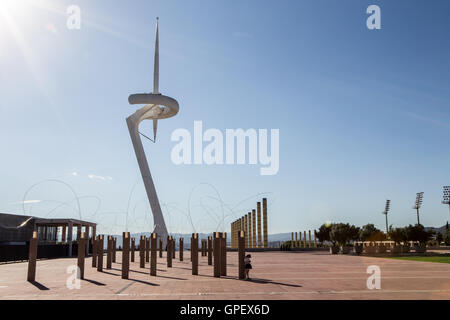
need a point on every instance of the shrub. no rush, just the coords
(370, 233)
(286, 246)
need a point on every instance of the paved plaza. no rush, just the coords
(276, 275)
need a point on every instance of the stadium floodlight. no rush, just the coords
(385, 212)
(418, 204)
(446, 198)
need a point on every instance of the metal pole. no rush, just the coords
(387, 230)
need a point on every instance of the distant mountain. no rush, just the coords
(441, 230)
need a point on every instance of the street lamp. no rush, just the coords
(385, 212)
(418, 204)
(446, 199)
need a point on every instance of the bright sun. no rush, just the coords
(14, 8)
(13, 5)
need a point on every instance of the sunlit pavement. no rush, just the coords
(275, 275)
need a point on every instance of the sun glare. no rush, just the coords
(13, 6)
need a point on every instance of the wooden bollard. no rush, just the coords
(160, 248)
(32, 256)
(147, 250)
(94, 251)
(169, 252)
(204, 248)
(210, 250)
(109, 253)
(114, 249)
(223, 252)
(173, 248)
(153, 254)
(133, 248)
(81, 255)
(217, 254)
(194, 246)
(241, 254)
(181, 249)
(100, 244)
(125, 255)
(142, 252)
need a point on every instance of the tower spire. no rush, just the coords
(156, 68)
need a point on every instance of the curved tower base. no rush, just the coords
(158, 219)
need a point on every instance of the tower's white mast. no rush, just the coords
(168, 108)
(156, 77)
(156, 68)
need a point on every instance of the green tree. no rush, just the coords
(447, 237)
(354, 233)
(439, 237)
(397, 235)
(324, 232)
(417, 233)
(341, 233)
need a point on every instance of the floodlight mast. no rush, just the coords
(446, 197)
(418, 204)
(385, 212)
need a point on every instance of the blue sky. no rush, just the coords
(363, 114)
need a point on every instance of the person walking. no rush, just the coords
(248, 266)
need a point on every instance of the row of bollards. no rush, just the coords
(214, 248)
(298, 242)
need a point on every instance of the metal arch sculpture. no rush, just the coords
(156, 106)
